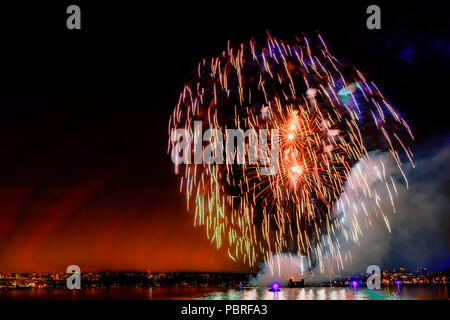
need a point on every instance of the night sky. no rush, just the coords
(84, 174)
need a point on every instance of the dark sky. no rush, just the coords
(85, 178)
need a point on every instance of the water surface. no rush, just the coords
(181, 293)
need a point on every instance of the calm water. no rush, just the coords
(408, 293)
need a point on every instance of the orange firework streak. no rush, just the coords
(328, 118)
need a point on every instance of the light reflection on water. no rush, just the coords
(325, 293)
(181, 293)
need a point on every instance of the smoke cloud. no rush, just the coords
(410, 231)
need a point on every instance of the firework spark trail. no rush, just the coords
(328, 117)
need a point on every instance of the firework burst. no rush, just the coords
(327, 117)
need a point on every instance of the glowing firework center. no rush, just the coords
(289, 107)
